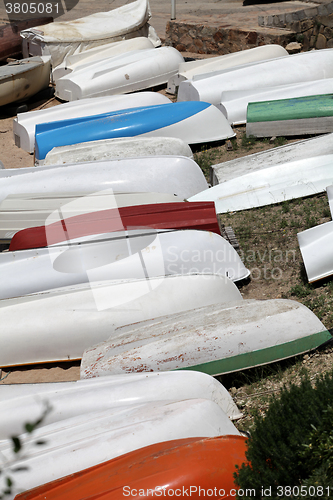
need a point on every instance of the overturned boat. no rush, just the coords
(25, 123)
(122, 74)
(60, 324)
(121, 255)
(88, 439)
(159, 174)
(117, 148)
(69, 399)
(193, 122)
(216, 339)
(294, 179)
(183, 466)
(187, 70)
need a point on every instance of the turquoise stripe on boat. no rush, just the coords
(315, 106)
(122, 123)
(262, 356)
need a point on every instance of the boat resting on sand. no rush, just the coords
(69, 399)
(118, 256)
(282, 182)
(19, 212)
(62, 229)
(193, 122)
(117, 148)
(311, 114)
(121, 74)
(216, 339)
(187, 70)
(102, 52)
(295, 68)
(186, 465)
(90, 439)
(316, 247)
(159, 174)
(25, 123)
(234, 103)
(65, 38)
(60, 324)
(23, 78)
(299, 150)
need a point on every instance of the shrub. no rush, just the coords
(297, 425)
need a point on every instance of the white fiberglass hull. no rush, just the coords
(160, 174)
(118, 256)
(296, 68)
(215, 339)
(300, 150)
(124, 147)
(98, 53)
(69, 399)
(60, 324)
(129, 72)
(24, 124)
(234, 103)
(188, 70)
(271, 185)
(89, 439)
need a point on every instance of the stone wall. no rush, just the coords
(312, 28)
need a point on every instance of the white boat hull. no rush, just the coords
(296, 68)
(110, 149)
(188, 70)
(271, 185)
(89, 439)
(300, 150)
(23, 78)
(70, 399)
(215, 339)
(60, 324)
(234, 103)
(161, 174)
(118, 256)
(24, 124)
(63, 39)
(129, 72)
(102, 52)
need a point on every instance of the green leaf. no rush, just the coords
(16, 444)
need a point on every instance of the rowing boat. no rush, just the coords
(296, 68)
(65, 38)
(216, 339)
(187, 70)
(117, 148)
(60, 228)
(102, 52)
(19, 212)
(25, 123)
(121, 74)
(23, 78)
(193, 122)
(159, 174)
(90, 439)
(69, 399)
(118, 256)
(183, 467)
(294, 179)
(58, 325)
(10, 40)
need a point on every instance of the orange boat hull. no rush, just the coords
(193, 467)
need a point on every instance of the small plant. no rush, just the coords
(300, 291)
(248, 142)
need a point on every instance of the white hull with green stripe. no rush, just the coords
(216, 339)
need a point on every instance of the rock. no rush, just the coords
(293, 47)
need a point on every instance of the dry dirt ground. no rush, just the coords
(269, 248)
